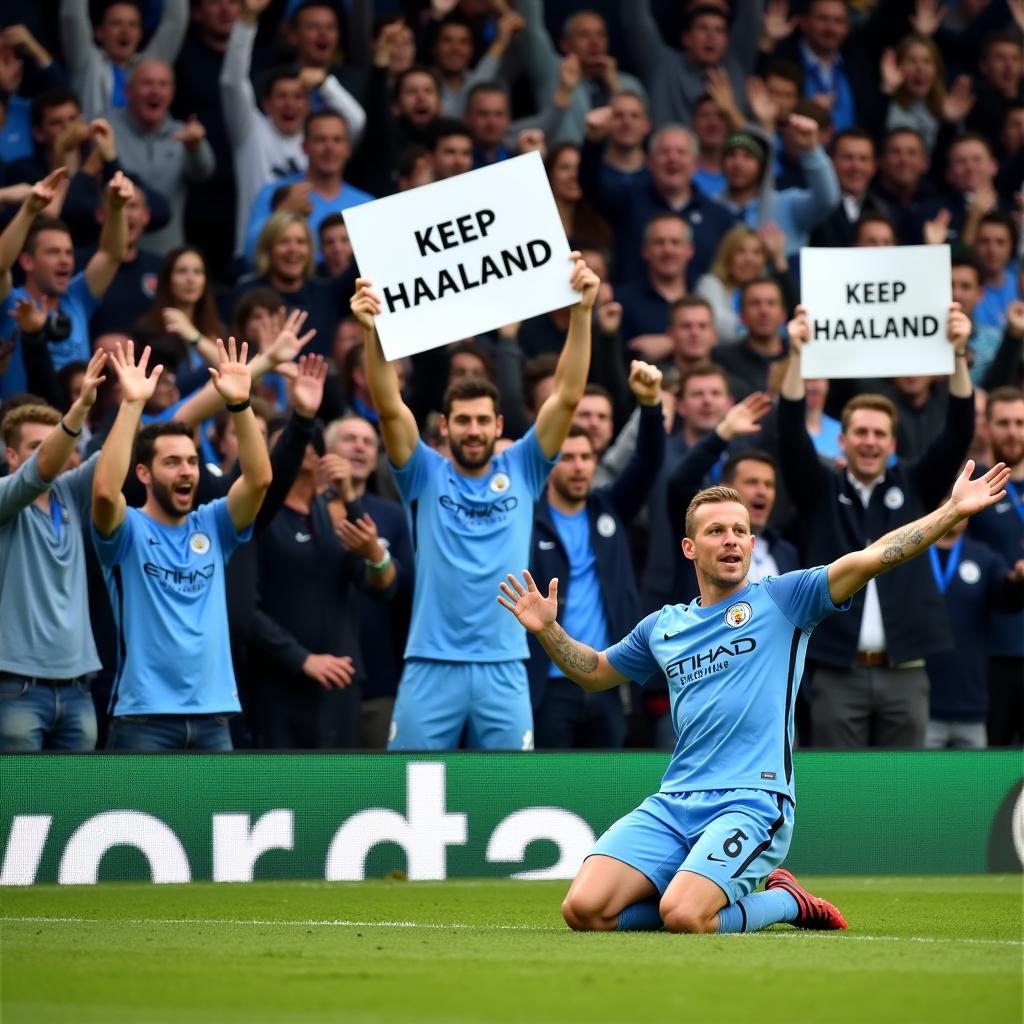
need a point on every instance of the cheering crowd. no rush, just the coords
(289, 542)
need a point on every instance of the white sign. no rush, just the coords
(458, 257)
(877, 312)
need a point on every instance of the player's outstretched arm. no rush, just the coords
(108, 504)
(848, 574)
(582, 664)
(397, 423)
(12, 240)
(233, 382)
(556, 414)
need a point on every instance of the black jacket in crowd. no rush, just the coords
(834, 522)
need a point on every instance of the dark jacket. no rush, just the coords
(609, 510)
(834, 522)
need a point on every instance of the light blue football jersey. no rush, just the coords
(468, 533)
(733, 671)
(166, 586)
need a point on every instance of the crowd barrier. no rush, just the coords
(79, 819)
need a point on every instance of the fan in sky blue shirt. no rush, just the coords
(733, 670)
(466, 532)
(348, 197)
(77, 304)
(166, 586)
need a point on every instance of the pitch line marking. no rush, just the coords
(339, 923)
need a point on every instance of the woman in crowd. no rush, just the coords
(585, 227)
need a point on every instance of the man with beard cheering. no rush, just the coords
(470, 517)
(164, 563)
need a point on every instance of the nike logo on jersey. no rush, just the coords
(669, 636)
(545, 545)
(151, 541)
(302, 538)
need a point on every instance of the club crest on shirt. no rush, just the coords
(500, 483)
(606, 525)
(738, 614)
(893, 498)
(199, 543)
(149, 282)
(969, 571)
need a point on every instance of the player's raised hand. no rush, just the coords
(958, 328)
(970, 496)
(44, 192)
(307, 387)
(585, 281)
(744, 418)
(233, 378)
(645, 382)
(799, 331)
(136, 384)
(534, 611)
(365, 303)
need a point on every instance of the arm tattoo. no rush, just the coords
(910, 540)
(568, 654)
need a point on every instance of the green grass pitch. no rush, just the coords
(928, 949)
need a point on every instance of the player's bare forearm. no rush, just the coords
(397, 423)
(578, 662)
(557, 412)
(108, 502)
(848, 574)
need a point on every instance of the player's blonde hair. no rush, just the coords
(709, 496)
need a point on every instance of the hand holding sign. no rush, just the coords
(462, 256)
(879, 312)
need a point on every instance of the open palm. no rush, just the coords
(233, 379)
(136, 386)
(970, 496)
(527, 604)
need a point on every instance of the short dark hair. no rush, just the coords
(575, 430)
(731, 467)
(45, 101)
(255, 298)
(332, 220)
(593, 388)
(995, 39)
(960, 257)
(145, 441)
(904, 130)
(702, 370)
(322, 115)
(787, 71)
(537, 369)
(445, 128)
(875, 217)
(309, 5)
(39, 225)
(1003, 219)
(477, 351)
(416, 69)
(482, 87)
(456, 18)
(699, 10)
(468, 388)
(972, 137)
(1004, 393)
(282, 73)
(756, 282)
(689, 302)
(858, 134)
